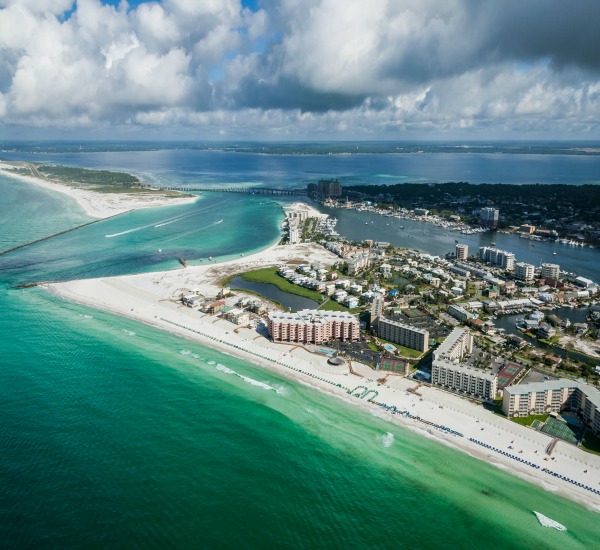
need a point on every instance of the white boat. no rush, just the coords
(547, 522)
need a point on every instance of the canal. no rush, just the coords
(575, 315)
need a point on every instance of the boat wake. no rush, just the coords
(159, 224)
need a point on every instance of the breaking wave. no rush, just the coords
(386, 440)
(246, 379)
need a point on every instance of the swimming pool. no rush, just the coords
(327, 351)
(389, 347)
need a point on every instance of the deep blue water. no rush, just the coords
(172, 167)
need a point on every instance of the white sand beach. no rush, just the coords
(99, 205)
(152, 299)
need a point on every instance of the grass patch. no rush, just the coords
(373, 346)
(404, 351)
(528, 420)
(332, 305)
(269, 275)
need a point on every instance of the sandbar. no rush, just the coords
(99, 205)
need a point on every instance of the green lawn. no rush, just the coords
(269, 275)
(528, 420)
(332, 305)
(404, 351)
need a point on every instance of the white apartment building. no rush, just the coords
(470, 381)
(550, 271)
(448, 372)
(524, 272)
(403, 334)
(456, 345)
(497, 257)
(554, 396)
(459, 313)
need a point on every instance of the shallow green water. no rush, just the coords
(114, 434)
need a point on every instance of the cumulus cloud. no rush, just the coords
(317, 67)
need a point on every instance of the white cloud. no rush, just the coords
(303, 67)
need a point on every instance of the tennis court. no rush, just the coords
(508, 374)
(562, 430)
(415, 313)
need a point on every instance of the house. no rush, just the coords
(351, 302)
(214, 307)
(546, 331)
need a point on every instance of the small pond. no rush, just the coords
(271, 292)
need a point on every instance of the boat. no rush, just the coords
(547, 522)
(554, 253)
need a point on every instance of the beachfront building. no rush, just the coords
(524, 272)
(453, 376)
(550, 271)
(403, 334)
(448, 372)
(488, 217)
(311, 326)
(554, 396)
(237, 316)
(462, 251)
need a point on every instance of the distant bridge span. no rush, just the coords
(244, 190)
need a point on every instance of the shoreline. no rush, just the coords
(99, 205)
(149, 298)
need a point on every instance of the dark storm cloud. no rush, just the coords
(288, 93)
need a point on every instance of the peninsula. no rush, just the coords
(100, 193)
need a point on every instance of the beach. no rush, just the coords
(152, 298)
(99, 205)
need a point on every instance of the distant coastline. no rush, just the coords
(98, 204)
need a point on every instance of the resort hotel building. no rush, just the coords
(554, 396)
(313, 326)
(403, 334)
(448, 372)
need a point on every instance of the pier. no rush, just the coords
(244, 190)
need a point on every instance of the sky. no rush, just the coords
(300, 69)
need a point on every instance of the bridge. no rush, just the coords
(244, 190)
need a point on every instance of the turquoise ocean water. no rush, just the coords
(114, 434)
